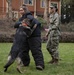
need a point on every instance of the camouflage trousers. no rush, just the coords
(53, 43)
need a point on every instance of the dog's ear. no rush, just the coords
(28, 21)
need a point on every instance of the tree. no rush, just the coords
(9, 9)
(46, 12)
(68, 8)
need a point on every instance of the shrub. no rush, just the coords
(67, 37)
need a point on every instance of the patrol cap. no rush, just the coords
(52, 6)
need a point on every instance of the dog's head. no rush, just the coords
(27, 22)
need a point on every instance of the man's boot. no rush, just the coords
(56, 61)
(51, 61)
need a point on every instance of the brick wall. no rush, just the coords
(17, 3)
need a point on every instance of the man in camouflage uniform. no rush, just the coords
(53, 35)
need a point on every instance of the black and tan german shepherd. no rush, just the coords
(18, 46)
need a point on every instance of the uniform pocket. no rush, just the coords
(54, 33)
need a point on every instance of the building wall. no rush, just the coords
(2, 8)
(17, 3)
(31, 7)
(40, 10)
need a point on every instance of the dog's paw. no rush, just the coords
(5, 69)
(19, 70)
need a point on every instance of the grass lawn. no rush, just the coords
(65, 67)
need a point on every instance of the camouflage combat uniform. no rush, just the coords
(53, 36)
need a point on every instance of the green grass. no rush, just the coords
(65, 67)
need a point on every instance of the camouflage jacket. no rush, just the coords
(54, 21)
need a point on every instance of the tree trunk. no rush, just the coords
(46, 12)
(9, 9)
(35, 8)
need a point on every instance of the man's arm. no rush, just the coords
(56, 22)
(47, 32)
(17, 24)
(34, 22)
(34, 27)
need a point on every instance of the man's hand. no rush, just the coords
(46, 35)
(47, 30)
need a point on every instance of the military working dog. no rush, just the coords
(22, 33)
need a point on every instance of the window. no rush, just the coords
(54, 4)
(42, 3)
(30, 2)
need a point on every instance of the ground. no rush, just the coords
(65, 67)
